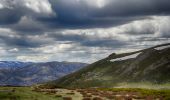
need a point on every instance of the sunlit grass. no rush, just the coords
(24, 93)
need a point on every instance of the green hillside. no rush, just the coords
(150, 65)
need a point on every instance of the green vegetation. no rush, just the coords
(24, 93)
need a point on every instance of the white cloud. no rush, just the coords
(3, 51)
(7, 32)
(38, 6)
(96, 3)
(56, 48)
(93, 3)
(33, 58)
(1, 6)
(14, 50)
(156, 25)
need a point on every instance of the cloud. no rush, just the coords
(55, 48)
(28, 25)
(80, 30)
(157, 26)
(76, 14)
(14, 50)
(19, 8)
(13, 39)
(1, 6)
(85, 14)
(82, 44)
(123, 8)
(2, 51)
(33, 58)
(6, 19)
(38, 6)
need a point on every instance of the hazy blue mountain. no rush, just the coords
(13, 64)
(27, 73)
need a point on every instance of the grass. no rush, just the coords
(165, 94)
(24, 93)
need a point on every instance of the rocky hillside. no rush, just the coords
(23, 74)
(148, 65)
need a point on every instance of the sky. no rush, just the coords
(80, 30)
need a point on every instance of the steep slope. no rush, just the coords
(33, 73)
(148, 65)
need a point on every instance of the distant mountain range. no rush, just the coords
(149, 65)
(28, 73)
(13, 64)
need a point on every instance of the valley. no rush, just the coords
(34, 93)
(84, 49)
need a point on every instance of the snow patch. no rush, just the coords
(162, 47)
(126, 57)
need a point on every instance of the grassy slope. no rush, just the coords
(24, 93)
(108, 74)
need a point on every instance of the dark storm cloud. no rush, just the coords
(83, 14)
(9, 16)
(19, 42)
(134, 8)
(87, 14)
(104, 43)
(23, 41)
